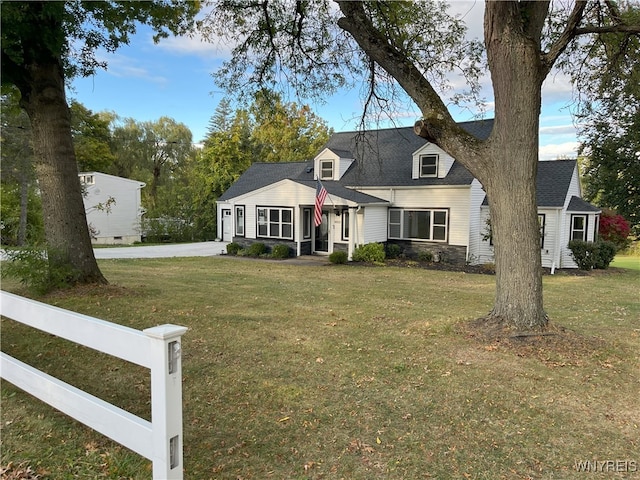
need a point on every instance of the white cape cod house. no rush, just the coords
(113, 208)
(394, 187)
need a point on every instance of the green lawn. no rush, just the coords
(626, 261)
(355, 372)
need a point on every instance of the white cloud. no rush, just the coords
(122, 66)
(196, 45)
(558, 130)
(558, 150)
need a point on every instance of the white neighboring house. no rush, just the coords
(113, 207)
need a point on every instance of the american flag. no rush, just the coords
(321, 194)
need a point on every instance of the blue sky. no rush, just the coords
(146, 81)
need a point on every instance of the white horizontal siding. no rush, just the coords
(455, 199)
(375, 224)
(122, 219)
(484, 251)
(476, 196)
(548, 253)
(286, 194)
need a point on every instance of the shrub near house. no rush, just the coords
(590, 255)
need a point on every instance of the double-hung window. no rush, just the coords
(275, 222)
(424, 224)
(240, 221)
(429, 165)
(541, 224)
(579, 227)
(326, 169)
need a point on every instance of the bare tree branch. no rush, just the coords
(569, 33)
(437, 126)
(618, 28)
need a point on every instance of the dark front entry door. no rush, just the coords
(322, 234)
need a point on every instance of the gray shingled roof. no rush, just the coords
(385, 157)
(260, 175)
(382, 158)
(552, 182)
(576, 204)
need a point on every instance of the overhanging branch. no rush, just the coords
(438, 126)
(569, 33)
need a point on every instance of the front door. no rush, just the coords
(322, 234)
(227, 224)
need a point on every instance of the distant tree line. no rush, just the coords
(183, 179)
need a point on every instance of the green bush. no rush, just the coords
(338, 257)
(280, 251)
(233, 248)
(589, 255)
(604, 254)
(32, 268)
(371, 252)
(393, 250)
(582, 253)
(256, 249)
(425, 256)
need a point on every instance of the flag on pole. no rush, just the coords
(321, 194)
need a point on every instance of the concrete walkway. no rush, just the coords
(201, 249)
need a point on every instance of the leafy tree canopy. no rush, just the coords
(30, 34)
(609, 116)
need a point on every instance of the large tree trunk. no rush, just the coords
(516, 72)
(506, 163)
(65, 223)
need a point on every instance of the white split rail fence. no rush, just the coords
(157, 348)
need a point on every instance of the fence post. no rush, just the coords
(166, 400)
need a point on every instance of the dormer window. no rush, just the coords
(326, 169)
(428, 165)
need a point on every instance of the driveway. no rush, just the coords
(201, 249)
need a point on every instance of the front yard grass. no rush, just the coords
(339, 371)
(631, 262)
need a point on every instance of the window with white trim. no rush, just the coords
(275, 222)
(306, 223)
(326, 169)
(426, 224)
(240, 220)
(429, 165)
(345, 225)
(579, 227)
(541, 224)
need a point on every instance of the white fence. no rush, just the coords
(156, 348)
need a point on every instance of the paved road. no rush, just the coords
(202, 249)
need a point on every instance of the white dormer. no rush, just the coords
(332, 164)
(430, 161)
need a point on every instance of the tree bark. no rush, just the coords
(65, 223)
(513, 53)
(505, 164)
